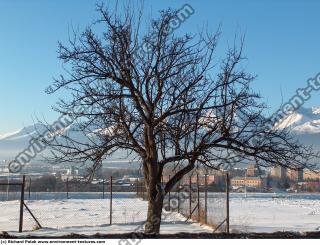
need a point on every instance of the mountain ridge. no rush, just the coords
(304, 123)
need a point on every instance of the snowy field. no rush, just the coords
(295, 212)
(91, 216)
(254, 213)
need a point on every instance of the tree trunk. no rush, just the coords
(153, 173)
(154, 213)
(155, 198)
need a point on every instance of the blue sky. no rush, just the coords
(282, 44)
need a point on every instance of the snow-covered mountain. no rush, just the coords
(22, 133)
(11, 144)
(304, 123)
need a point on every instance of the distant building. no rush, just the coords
(72, 171)
(252, 170)
(311, 186)
(237, 172)
(186, 179)
(311, 175)
(66, 177)
(295, 175)
(4, 169)
(279, 172)
(131, 179)
(256, 182)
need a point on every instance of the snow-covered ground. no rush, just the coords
(60, 217)
(267, 214)
(256, 213)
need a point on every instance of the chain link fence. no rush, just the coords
(54, 203)
(64, 204)
(203, 198)
(9, 203)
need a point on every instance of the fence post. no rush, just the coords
(103, 181)
(206, 199)
(179, 197)
(137, 186)
(111, 200)
(21, 203)
(67, 186)
(143, 190)
(190, 196)
(55, 185)
(227, 193)
(29, 188)
(139, 189)
(8, 188)
(169, 198)
(198, 190)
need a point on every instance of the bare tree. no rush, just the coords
(172, 104)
